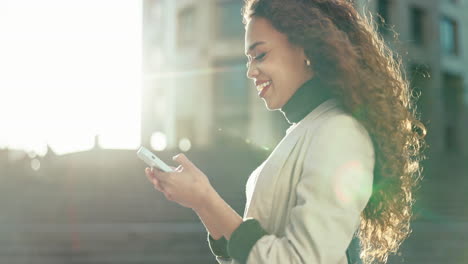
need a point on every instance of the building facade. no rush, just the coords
(196, 87)
(195, 76)
(433, 41)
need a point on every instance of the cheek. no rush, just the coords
(285, 68)
(274, 69)
(286, 74)
(293, 73)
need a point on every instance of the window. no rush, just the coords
(449, 36)
(231, 97)
(453, 105)
(230, 19)
(383, 10)
(153, 34)
(186, 27)
(418, 25)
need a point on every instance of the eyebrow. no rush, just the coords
(254, 45)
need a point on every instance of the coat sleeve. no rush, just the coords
(334, 188)
(219, 249)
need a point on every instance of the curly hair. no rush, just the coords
(368, 78)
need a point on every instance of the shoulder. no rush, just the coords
(337, 130)
(330, 114)
(339, 122)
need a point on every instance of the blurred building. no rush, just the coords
(195, 76)
(434, 33)
(196, 88)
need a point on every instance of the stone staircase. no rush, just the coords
(440, 228)
(104, 243)
(434, 243)
(99, 208)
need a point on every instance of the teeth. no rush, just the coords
(263, 85)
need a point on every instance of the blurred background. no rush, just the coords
(84, 83)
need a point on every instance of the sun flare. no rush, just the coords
(70, 70)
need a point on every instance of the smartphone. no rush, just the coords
(152, 160)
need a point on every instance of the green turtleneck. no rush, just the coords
(307, 97)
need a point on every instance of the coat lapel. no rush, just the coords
(260, 205)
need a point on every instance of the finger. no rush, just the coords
(149, 174)
(151, 170)
(184, 161)
(157, 185)
(161, 175)
(177, 169)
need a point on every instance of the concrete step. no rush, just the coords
(434, 243)
(104, 243)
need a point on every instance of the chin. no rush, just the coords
(271, 106)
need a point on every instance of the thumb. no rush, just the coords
(183, 160)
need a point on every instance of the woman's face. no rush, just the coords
(274, 62)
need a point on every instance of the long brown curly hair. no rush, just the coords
(368, 78)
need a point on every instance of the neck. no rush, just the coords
(309, 95)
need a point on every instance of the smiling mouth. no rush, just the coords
(262, 86)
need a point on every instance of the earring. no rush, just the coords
(308, 62)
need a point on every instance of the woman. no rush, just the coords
(349, 161)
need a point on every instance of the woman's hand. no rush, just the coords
(187, 185)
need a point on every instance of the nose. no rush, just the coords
(252, 71)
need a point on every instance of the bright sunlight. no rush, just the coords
(70, 71)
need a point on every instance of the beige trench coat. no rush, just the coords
(309, 193)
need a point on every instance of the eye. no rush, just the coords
(260, 57)
(257, 58)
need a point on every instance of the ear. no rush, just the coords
(308, 65)
(304, 59)
(304, 56)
